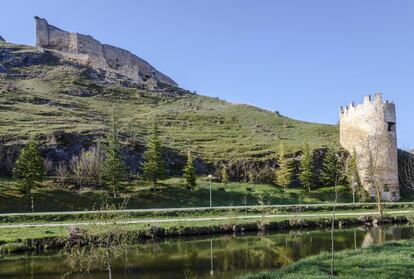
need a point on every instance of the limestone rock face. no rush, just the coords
(2, 39)
(86, 50)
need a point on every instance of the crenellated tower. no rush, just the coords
(369, 130)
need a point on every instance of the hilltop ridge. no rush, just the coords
(86, 50)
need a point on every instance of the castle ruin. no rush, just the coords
(84, 49)
(369, 131)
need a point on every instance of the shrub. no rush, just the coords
(87, 168)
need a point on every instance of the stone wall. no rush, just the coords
(87, 50)
(369, 129)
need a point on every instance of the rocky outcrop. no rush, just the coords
(60, 147)
(86, 50)
(2, 39)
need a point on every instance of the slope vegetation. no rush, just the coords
(41, 94)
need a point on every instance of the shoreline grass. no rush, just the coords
(390, 260)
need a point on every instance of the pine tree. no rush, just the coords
(284, 174)
(332, 172)
(306, 175)
(224, 174)
(29, 167)
(153, 165)
(115, 169)
(189, 172)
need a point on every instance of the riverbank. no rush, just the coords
(391, 260)
(51, 238)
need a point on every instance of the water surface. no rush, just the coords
(225, 256)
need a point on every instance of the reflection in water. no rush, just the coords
(211, 257)
(206, 257)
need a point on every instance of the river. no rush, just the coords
(224, 256)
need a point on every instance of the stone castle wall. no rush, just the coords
(87, 50)
(369, 129)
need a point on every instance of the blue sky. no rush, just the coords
(303, 58)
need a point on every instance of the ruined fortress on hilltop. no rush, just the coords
(84, 49)
(369, 130)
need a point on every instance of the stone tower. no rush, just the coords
(369, 130)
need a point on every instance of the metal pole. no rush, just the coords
(211, 200)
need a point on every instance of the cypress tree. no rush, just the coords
(189, 172)
(284, 174)
(114, 169)
(153, 165)
(224, 174)
(29, 167)
(307, 172)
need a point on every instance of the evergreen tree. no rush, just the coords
(29, 167)
(224, 174)
(189, 172)
(284, 174)
(332, 172)
(153, 165)
(115, 169)
(307, 172)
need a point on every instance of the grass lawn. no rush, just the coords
(391, 260)
(173, 194)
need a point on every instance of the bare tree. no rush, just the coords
(337, 177)
(264, 207)
(62, 173)
(48, 166)
(98, 245)
(87, 168)
(371, 162)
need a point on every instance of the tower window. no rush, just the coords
(391, 126)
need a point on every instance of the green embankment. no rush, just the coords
(391, 260)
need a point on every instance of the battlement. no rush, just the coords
(87, 50)
(368, 102)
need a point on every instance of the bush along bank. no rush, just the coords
(81, 237)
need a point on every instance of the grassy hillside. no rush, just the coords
(46, 97)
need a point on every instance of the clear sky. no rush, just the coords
(303, 58)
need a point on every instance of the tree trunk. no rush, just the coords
(379, 204)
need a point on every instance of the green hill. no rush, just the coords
(42, 94)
